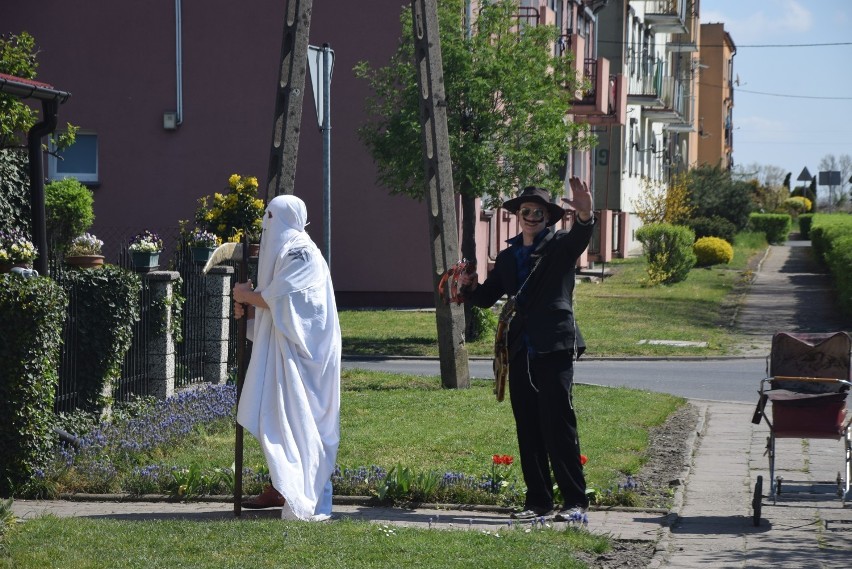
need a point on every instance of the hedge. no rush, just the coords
(32, 313)
(831, 239)
(775, 226)
(106, 305)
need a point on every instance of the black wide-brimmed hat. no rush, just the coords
(537, 195)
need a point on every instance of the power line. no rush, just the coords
(788, 45)
(793, 96)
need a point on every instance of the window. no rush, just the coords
(80, 160)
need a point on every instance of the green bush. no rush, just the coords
(106, 304)
(714, 226)
(826, 229)
(839, 261)
(32, 313)
(669, 251)
(712, 192)
(69, 211)
(776, 226)
(805, 221)
(712, 251)
(14, 191)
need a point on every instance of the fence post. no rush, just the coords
(217, 317)
(161, 343)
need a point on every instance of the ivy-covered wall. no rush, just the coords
(105, 304)
(32, 313)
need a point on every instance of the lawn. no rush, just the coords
(615, 314)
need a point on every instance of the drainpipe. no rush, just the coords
(179, 61)
(50, 110)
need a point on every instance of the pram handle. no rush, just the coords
(805, 379)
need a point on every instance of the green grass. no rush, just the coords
(389, 420)
(614, 315)
(89, 544)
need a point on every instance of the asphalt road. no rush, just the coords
(734, 379)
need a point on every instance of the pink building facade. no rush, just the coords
(173, 97)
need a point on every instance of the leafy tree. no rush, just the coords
(18, 58)
(507, 99)
(712, 192)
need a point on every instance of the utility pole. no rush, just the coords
(440, 194)
(288, 101)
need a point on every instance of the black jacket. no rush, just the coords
(547, 314)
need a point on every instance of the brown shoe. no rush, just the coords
(269, 498)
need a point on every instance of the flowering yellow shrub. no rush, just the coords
(798, 204)
(712, 251)
(231, 214)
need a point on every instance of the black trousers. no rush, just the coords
(540, 390)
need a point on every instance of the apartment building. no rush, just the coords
(655, 44)
(716, 107)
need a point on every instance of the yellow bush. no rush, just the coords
(712, 251)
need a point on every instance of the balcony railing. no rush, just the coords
(667, 16)
(673, 102)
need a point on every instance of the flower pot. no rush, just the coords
(144, 262)
(85, 261)
(201, 254)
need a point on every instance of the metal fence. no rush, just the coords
(190, 355)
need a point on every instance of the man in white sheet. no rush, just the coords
(290, 399)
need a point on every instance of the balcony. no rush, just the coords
(645, 84)
(667, 16)
(685, 42)
(605, 101)
(672, 103)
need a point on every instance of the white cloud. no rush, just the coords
(774, 19)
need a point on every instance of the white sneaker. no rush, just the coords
(576, 514)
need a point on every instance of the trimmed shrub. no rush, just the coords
(826, 229)
(32, 313)
(69, 211)
(106, 304)
(805, 221)
(714, 226)
(775, 226)
(669, 251)
(831, 239)
(712, 251)
(839, 260)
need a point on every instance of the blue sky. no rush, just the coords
(788, 110)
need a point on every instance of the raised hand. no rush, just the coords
(581, 198)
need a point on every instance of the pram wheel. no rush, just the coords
(757, 501)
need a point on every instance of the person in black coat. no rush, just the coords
(539, 267)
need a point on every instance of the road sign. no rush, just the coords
(829, 178)
(315, 66)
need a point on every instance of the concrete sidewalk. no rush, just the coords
(711, 522)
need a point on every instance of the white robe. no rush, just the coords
(291, 396)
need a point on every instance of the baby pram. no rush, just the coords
(808, 379)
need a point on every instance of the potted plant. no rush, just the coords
(232, 214)
(85, 252)
(145, 251)
(202, 243)
(16, 250)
